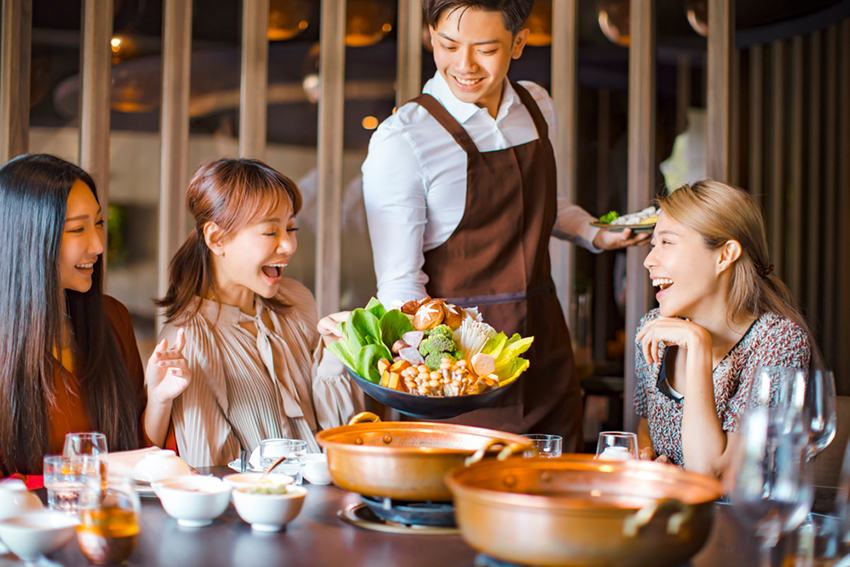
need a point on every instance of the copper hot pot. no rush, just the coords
(407, 460)
(579, 511)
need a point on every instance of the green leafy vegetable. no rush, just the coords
(367, 361)
(376, 308)
(394, 324)
(363, 329)
(609, 217)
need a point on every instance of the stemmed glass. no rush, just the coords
(773, 487)
(820, 409)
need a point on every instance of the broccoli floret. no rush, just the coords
(441, 331)
(436, 344)
(609, 217)
(434, 359)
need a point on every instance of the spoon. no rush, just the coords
(275, 463)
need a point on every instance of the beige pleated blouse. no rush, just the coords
(281, 383)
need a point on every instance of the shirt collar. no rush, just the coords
(461, 111)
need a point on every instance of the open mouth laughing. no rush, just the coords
(274, 272)
(663, 284)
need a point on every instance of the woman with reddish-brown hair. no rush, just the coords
(259, 367)
(69, 357)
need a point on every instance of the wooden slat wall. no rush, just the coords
(776, 208)
(253, 91)
(565, 96)
(641, 170)
(756, 149)
(329, 159)
(174, 132)
(409, 65)
(15, 53)
(721, 49)
(842, 361)
(95, 91)
(803, 150)
(828, 328)
(815, 187)
(794, 253)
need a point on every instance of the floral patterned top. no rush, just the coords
(772, 340)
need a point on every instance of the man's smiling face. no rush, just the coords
(473, 51)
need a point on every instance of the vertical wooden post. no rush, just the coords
(15, 53)
(174, 133)
(794, 230)
(755, 184)
(735, 120)
(684, 79)
(329, 184)
(843, 360)
(95, 90)
(830, 205)
(604, 284)
(409, 64)
(721, 49)
(565, 96)
(776, 219)
(253, 91)
(815, 187)
(641, 175)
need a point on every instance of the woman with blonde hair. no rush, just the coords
(260, 370)
(722, 313)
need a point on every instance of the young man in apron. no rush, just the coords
(461, 198)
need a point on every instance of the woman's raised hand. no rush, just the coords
(167, 374)
(672, 331)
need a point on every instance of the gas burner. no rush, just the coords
(482, 560)
(361, 516)
(436, 514)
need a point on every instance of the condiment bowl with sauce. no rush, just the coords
(194, 501)
(269, 507)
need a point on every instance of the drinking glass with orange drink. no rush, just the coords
(109, 527)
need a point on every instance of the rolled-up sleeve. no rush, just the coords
(394, 188)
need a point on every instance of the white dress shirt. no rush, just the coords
(414, 181)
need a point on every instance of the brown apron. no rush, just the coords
(498, 259)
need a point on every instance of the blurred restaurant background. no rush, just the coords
(650, 94)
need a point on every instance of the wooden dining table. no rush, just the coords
(318, 537)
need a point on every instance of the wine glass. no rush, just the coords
(820, 408)
(109, 526)
(773, 487)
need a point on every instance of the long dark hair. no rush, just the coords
(33, 203)
(230, 193)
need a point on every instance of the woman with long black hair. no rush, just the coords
(69, 355)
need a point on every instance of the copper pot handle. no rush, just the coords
(363, 417)
(642, 517)
(508, 450)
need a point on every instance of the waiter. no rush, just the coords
(461, 199)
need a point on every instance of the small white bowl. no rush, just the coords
(246, 480)
(158, 465)
(195, 501)
(269, 512)
(316, 469)
(35, 533)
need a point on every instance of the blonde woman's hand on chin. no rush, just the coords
(167, 374)
(672, 331)
(328, 326)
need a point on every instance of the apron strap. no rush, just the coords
(447, 121)
(533, 110)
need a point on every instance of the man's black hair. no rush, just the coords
(514, 12)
